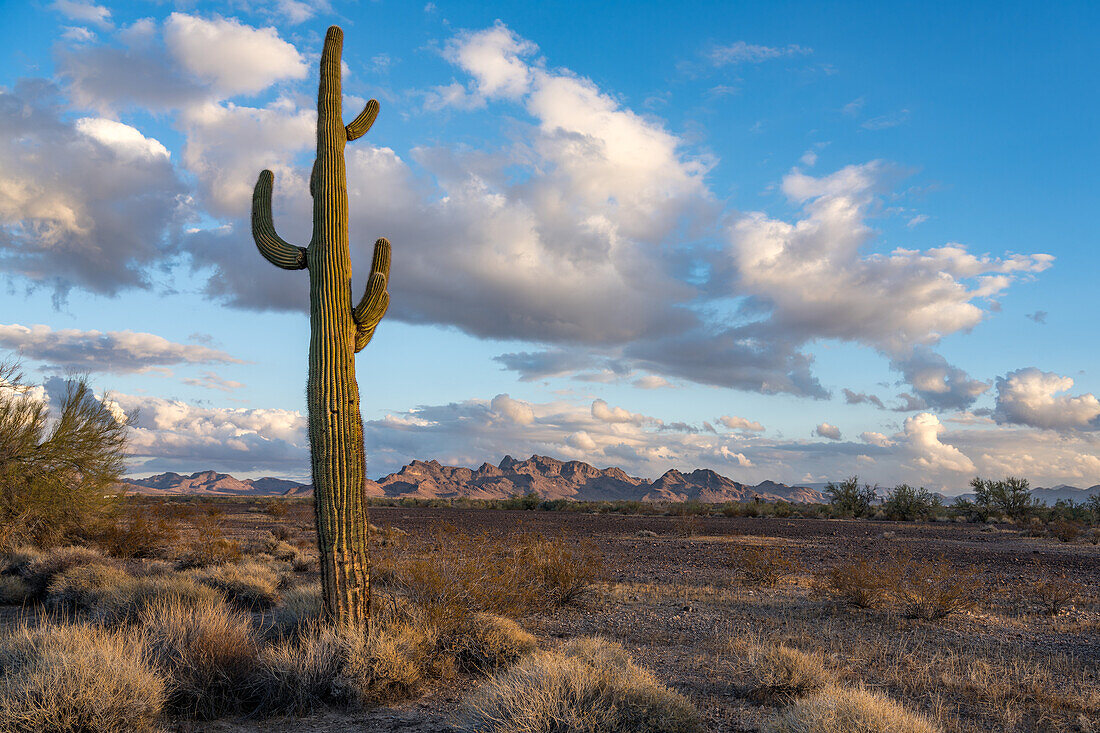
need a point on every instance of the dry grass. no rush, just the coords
(14, 591)
(841, 710)
(328, 666)
(140, 532)
(934, 589)
(78, 588)
(590, 685)
(764, 564)
(460, 574)
(127, 601)
(859, 582)
(250, 584)
(489, 642)
(39, 569)
(777, 673)
(206, 650)
(69, 677)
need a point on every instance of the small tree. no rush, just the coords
(848, 498)
(57, 473)
(909, 504)
(1011, 497)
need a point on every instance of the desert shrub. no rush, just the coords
(1053, 591)
(275, 508)
(488, 642)
(849, 499)
(40, 572)
(645, 533)
(590, 685)
(296, 676)
(857, 582)
(206, 650)
(687, 525)
(1066, 530)
(249, 584)
(18, 560)
(301, 605)
(393, 662)
(842, 710)
(210, 546)
(933, 589)
(78, 588)
(324, 665)
(14, 591)
(764, 564)
(137, 532)
(906, 503)
(57, 472)
(1010, 497)
(463, 574)
(126, 602)
(70, 677)
(779, 673)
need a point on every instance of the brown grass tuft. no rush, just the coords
(933, 589)
(778, 674)
(70, 677)
(764, 564)
(14, 591)
(857, 582)
(250, 584)
(78, 588)
(590, 685)
(125, 602)
(207, 651)
(488, 642)
(842, 710)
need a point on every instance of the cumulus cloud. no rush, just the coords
(233, 57)
(825, 430)
(1033, 397)
(88, 203)
(120, 352)
(936, 383)
(175, 435)
(922, 440)
(741, 423)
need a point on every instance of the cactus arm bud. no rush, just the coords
(359, 126)
(372, 306)
(274, 248)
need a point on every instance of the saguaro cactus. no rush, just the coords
(337, 331)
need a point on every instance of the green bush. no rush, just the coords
(905, 503)
(57, 472)
(849, 499)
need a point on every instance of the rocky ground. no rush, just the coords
(671, 594)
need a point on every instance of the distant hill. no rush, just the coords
(547, 477)
(1051, 496)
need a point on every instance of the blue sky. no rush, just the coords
(794, 241)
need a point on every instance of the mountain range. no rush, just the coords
(549, 478)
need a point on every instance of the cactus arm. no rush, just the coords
(274, 248)
(375, 301)
(359, 126)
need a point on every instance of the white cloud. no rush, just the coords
(922, 440)
(876, 439)
(515, 410)
(495, 58)
(233, 57)
(211, 380)
(1033, 397)
(120, 352)
(651, 381)
(936, 383)
(741, 423)
(87, 204)
(825, 430)
(740, 52)
(127, 141)
(816, 280)
(84, 11)
(605, 413)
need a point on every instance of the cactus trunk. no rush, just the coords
(337, 332)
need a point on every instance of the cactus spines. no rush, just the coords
(337, 332)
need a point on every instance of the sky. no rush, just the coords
(794, 241)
